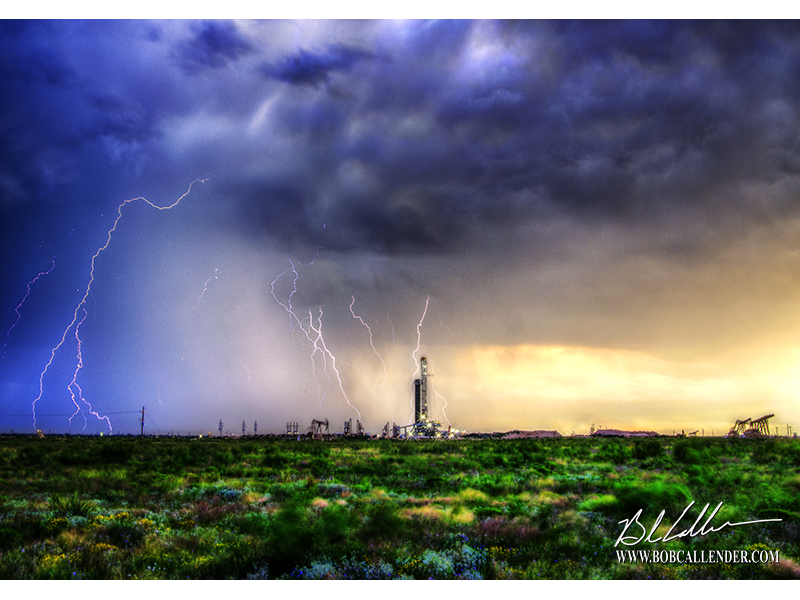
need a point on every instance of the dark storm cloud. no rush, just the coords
(458, 124)
(27, 55)
(628, 107)
(428, 224)
(314, 68)
(214, 46)
(122, 118)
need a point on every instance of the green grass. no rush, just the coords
(172, 508)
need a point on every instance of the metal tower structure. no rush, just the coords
(421, 392)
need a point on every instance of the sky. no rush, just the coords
(578, 223)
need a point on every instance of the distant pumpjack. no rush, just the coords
(760, 426)
(738, 428)
(316, 427)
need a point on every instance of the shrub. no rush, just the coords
(71, 506)
(764, 452)
(656, 496)
(683, 452)
(253, 524)
(291, 538)
(646, 449)
(121, 534)
(228, 494)
(613, 451)
(485, 512)
(113, 451)
(383, 522)
(9, 539)
(598, 504)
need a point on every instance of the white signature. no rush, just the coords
(632, 540)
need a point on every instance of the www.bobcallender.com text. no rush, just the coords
(698, 556)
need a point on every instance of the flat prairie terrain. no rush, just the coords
(270, 508)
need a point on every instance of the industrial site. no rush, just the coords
(425, 427)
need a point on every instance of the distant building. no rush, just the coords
(538, 433)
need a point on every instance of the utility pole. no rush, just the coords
(255, 428)
(220, 428)
(243, 428)
(141, 433)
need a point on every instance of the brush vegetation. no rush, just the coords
(267, 508)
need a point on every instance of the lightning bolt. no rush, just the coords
(88, 290)
(25, 297)
(158, 390)
(442, 325)
(419, 335)
(390, 321)
(445, 405)
(293, 317)
(73, 386)
(333, 360)
(385, 372)
(288, 308)
(317, 342)
(205, 288)
(414, 353)
(317, 348)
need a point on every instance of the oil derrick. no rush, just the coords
(421, 392)
(348, 426)
(423, 426)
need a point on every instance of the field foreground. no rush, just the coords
(265, 508)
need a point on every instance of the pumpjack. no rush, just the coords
(757, 428)
(316, 427)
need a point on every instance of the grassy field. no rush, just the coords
(267, 508)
